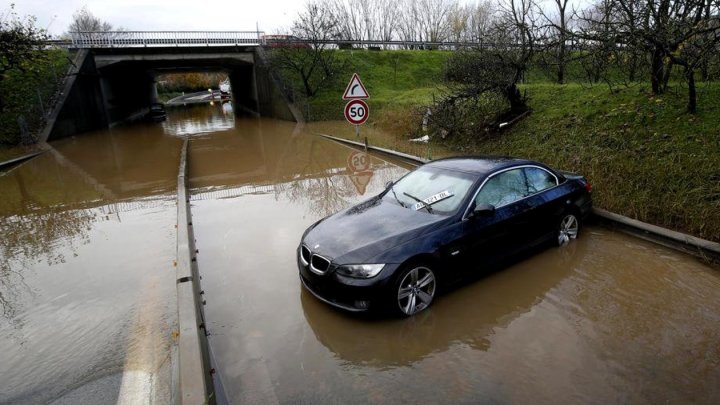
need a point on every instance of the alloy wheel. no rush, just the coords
(569, 227)
(416, 290)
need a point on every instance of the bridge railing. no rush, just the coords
(124, 39)
(130, 39)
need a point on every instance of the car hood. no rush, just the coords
(366, 230)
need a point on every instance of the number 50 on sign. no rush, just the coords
(356, 112)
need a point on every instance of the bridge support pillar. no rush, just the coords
(244, 89)
(154, 96)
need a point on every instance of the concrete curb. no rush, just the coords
(701, 248)
(704, 249)
(410, 158)
(20, 159)
(195, 381)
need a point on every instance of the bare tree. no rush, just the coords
(409, 28)
(350, 21)
(315, 64)
(433, 18)
(594, 39)
(484, 80)
(480, 21)
(669, 32)
(559, 19)
(84, 21)
(515, 33)
(388, 19)
(458, 21)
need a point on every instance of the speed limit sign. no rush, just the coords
(356, 112)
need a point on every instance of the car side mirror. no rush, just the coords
(483, 210)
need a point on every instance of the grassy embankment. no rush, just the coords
(645, 156)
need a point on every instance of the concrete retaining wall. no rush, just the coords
(704, 249)
(272, 101)
(195, 384)
(80, 105)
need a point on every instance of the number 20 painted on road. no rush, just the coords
(356, 112)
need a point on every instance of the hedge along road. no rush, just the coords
(608, 318)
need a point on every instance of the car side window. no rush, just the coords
(539, 179)
(503, 189)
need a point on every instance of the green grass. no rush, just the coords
(646, 157)
(394, 79)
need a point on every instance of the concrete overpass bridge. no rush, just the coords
(114, 75)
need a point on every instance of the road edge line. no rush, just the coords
(698, 247)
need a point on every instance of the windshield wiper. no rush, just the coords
(396, 198)
(424, 204)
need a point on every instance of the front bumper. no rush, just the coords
(347, 293)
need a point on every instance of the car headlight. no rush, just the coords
(360, 270)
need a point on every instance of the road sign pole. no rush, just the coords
(357, 131)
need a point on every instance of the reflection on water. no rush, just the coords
(227, 108)
(86, 229)
(86, 282)
(606, 319)
(277, 158)
(466, 316)
(198, 119)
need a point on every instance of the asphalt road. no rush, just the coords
(198, 97)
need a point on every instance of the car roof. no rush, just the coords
(480, 165)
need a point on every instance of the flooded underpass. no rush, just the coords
(86, 278)
(87, 287)
(607, 319)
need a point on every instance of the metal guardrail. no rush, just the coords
(130, 39)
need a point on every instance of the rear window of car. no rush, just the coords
(512, 185)
(539, 179)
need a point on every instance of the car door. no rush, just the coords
(545, 201)
(488, 238)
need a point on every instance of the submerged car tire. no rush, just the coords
(568, 228)
(414, 290)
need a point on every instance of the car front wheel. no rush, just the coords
(415, 290)
(568, 229)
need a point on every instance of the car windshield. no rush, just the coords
(441, 189)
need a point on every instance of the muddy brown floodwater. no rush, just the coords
(87, 287)
(607, 319)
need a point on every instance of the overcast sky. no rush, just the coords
(155, 15)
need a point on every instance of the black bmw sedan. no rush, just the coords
(448, 218)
